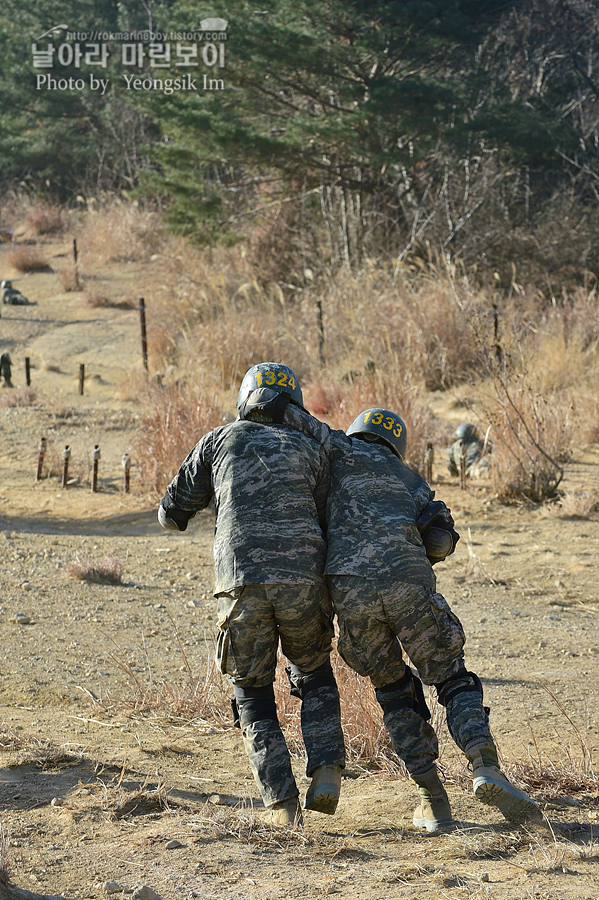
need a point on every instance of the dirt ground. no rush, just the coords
(97, 800)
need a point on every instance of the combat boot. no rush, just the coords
(493, 788)
(287, 812)
(434, 812)
(323, 793)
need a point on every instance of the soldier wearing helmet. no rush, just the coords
(269, 483)
(384, 532)
(11, 296)
(468, 444)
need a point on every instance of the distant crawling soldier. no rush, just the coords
(6, 370)
(384, 531)
(469, 444)
(269, 483)
(11, 296)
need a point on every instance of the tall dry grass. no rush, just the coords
(120, 232)
(43, 219)
(383, 336)
(174, 422)
(26, 259)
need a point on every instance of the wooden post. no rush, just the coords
(66, 455)
(41, 453)
(429, 458)
(95, 457)
(463, 465)
(320, 331)
(81, 377)
(126, 462)
(144, 335)
(27, 371)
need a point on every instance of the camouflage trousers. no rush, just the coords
(379, 619)
(251, 620)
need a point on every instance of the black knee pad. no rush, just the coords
(407, 693)
(448, 689)
(253, 705)
(302, 683)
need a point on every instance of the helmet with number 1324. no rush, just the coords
(381, 425)
(273, 375)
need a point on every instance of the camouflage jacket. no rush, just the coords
(373, 505)
(269, 484)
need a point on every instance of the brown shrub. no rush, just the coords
(27, 259)
(576, 505)
(532, 438)
(107, 571)
(46, 219)
(122, 232)
(24, 396)
(174, 421)
(69, 280)
(97, 300)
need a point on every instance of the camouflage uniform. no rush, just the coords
(12, 297)
(269, 485)
(476, 463)
(383, 590)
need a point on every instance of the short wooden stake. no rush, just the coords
(41, 453)
(429, 458)
(144, 334)
(126, 462)
(66, 455)
(95, 457)
(463, 466)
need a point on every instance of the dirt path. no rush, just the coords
(93, 793)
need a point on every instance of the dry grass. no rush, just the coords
(141, 802)
(70, 281)
(575, 505)
(27, 259)
(46, 219)
(108, 570)
(121, 232)
(389, 334)
(24, 396)
(174, 421)
(97, 300)
(11, 740)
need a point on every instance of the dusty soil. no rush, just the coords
(92, 793)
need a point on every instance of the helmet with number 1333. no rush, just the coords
(381, 425)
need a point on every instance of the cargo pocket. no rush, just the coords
(449, 627)
(224, 655)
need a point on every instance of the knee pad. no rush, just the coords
(253, 705)
(407, 693)
(451, 687)
(302, 683)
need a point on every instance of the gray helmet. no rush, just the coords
(6, 284)
(273, 375)
(466, 432)
(374, 424)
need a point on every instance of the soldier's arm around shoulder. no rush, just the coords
(277, 408)
(191, 488)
